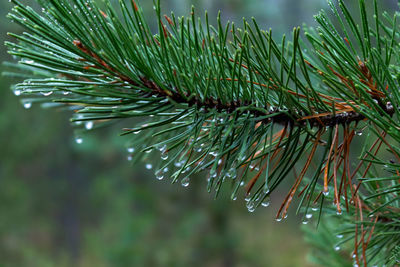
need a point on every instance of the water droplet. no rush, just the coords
(149, 166)
(129, 158)
(305, 222)
(278, 219)
(27, 105)
(130, 149)
(79, 140)
(185, 182)
(266, 202)
(48, 93)
(339, 236)
(159, 175)
(178, 164)
(89, 125)
(353, 256)
(309, 216)
(326, 193)
(231, 173)
(359, 133)
(339, 212)
(251, 207)
(149, 150)
(29, 61)
(337, 248)
(165, 170)
(137, 132)
(164, 156)
(17, 92)
(314, 209)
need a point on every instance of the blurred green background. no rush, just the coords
(64, 204)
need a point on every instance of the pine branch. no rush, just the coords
(234, 103)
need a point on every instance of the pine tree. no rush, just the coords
(245, 110)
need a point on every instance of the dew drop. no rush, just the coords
(79, 140)
(48, 93)
(17, 92)
(89, 125)
(149, 166)
(359, 133)
(339, 236)
(339, 213)
(165, 170)
(250, 206)
(129, 158)
(231, 173)
(266, 202)
(314, 209)
(130, 149)
(185, 182)
(159, 175)
(178, 164)
(305, 222)
(164, 156)
(309, 216)
(278, 219)
(337, 248)
(326, 193)
(27, 105)
(137, 132)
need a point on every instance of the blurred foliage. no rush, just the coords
(64, 204)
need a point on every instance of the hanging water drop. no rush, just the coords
(251, 206)
(185, 182)
(339, 236)
(89, 125)
(130, 149)
(27, 104)
(159, 175)
(231, 173)
(359, 133)
(326, 193)
(305, 222)
(129, 158)
(278, 219)
(17, 92)
(149, 166)
(266, 202)
(164, 156)
(48, 93)
(79, 140)
(337, 248)
(309, 216)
